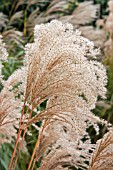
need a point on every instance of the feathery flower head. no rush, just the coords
(10, 106)
(61, 64)
(61, 67)
(3, 51)
(3, 55)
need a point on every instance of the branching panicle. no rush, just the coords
(102, 158)
(60, 67)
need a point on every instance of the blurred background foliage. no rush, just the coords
(17, 21)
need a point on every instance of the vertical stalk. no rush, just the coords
(36, 146)
(25, 22)
(24, 132)
(14, 152)
(17, 140)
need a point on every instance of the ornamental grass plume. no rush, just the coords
(61, 68)
(61, 146)
(3, 51)
(108, 26)
(82, 17)
(3, 55)
(10, 105)
(102, 157)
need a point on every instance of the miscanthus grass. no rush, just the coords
(61, 68)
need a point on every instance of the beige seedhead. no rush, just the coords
(10, 105)
(61, 68)
(102, 158)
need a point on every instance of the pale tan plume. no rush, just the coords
(102, 158)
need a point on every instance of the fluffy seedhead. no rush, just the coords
(102, 158)
(10, 106)
(3, 55)
(3, 51)
(10, 99)
(61, 68)
(61, 147)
